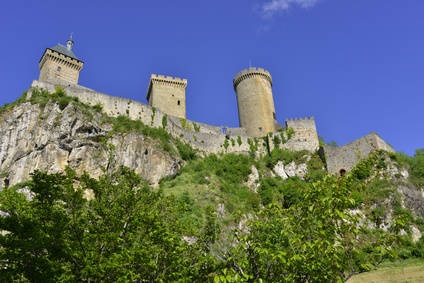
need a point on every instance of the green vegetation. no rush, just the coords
(205, 224)
(239, 141)
(196, 127)
(292, 230)
(9, 106)
(184, 124)
(164, 121)
(409, 271)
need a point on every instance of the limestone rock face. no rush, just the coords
(50, 139)
(290, 170)
(253, 179)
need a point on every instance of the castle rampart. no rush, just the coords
(305, 134)
(342, 159)
(204, 137)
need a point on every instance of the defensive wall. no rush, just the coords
(342, 159)
(204, 137)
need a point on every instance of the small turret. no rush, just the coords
(70, 43)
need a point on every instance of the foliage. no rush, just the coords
(226, 144)
(417, 168)
(164, 121)
(9, 106)
(185, 150)
(316, 168)
(213, 178)
(285, 192)
(239, 141)
(196, 127)
(123, 124)
(42, 97)
(124, 233)
(314, 240)
(289, 132)
(184, 124)
(253, 145)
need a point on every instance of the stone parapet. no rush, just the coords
(249, 73)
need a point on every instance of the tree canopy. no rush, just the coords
(67, 228)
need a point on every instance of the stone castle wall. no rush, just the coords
(59, 69)
(344, 158)
(306, 136)
(207, 138)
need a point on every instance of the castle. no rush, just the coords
(166, 108)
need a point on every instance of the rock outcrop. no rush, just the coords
(49, 139)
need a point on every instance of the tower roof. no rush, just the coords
(64, 50)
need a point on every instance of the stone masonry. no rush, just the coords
(255, 102)
(59, 65)
(168, 94)
(342, 159)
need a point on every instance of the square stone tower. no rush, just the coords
(168, 95)
(59, 65)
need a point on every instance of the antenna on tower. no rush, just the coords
(250, 64)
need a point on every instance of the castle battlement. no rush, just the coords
(60, 59)
(168, 80)
(249, 73)
(301, 119)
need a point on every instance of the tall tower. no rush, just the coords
(59, 65)
(168, 94)
(255, 102)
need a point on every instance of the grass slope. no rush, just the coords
(409, 271)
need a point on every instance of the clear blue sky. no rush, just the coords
(357, 66)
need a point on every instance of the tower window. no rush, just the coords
(260, 129)
(59, 68)
(178, 102)
(273, 115)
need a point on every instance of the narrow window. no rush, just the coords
(59, 68)
(260, 129)
(178, 102)
(273, 115)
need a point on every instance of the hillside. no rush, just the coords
(71, 212)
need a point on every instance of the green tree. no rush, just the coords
(314, 240)
(122, 232)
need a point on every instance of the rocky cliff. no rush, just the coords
(50, 138)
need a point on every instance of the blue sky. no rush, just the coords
(357, 66)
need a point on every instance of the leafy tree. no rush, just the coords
(315, 240)
(123, 232)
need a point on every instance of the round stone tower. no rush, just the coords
(255, 102)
